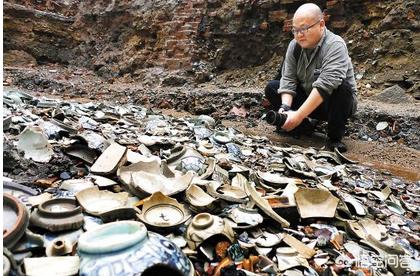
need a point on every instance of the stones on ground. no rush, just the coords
(381, 126)
(393, 95)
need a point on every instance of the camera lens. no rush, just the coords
(275, 118)
(271, 117)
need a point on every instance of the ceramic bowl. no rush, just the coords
(204, 226)
(163, 213)
(126, 248)
(198, 198)
(221, 137)
(227, 192)
(95, 201)
(151, 183)
(145, 178)
(315, 203)
(299, 164)
(122, 213)
(273, 179)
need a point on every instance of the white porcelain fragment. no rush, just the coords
(109, 161)
(34, 143)
(96, 202)
(52, 266)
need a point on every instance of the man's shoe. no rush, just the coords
(307, 127)
(332, 144)
(291, 133)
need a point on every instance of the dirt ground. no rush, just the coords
(396, 157)
(390, 158)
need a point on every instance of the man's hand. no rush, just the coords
(284, 108)
(293, 120)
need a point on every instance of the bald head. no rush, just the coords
(308, 10)
(308, 25)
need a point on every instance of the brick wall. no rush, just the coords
(179, 35)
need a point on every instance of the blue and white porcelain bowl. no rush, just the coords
(126, 248)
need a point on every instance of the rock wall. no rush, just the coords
(205, 38)
(46, 36)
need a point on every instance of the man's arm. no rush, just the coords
(286, 99)
(287, 87)
(294, 118)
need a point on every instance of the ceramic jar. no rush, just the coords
(126, 248)
(58, 214)
(15, 220)
(204, 226)
(59, 247)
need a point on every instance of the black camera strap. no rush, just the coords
(296, 53)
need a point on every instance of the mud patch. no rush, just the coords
(15, 166)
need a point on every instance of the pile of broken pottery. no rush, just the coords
(187, 196)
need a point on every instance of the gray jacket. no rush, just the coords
(324, 67)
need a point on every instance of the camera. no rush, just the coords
(275, 118)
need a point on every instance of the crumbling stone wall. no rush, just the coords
(123, 38)
(44, 35)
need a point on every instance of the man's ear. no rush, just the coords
(322, 23)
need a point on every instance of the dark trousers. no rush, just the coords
(335, 109)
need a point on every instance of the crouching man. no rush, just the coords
(317, 78)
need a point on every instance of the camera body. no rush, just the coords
(275, 118)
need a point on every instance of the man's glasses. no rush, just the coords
(304, 30)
